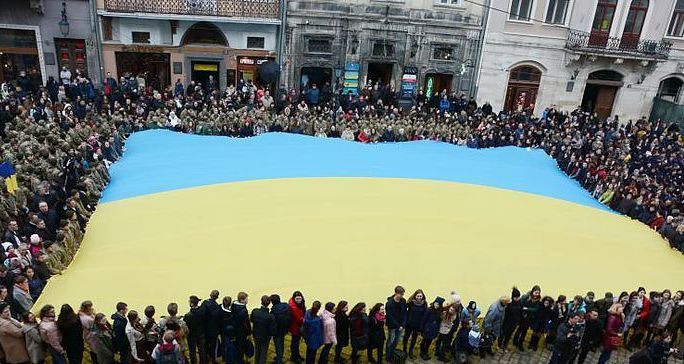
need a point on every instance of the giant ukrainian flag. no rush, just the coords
(185, 214)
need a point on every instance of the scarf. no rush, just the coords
(379, 316)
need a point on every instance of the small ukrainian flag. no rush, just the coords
(10, 175)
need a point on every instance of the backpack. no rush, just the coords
(167, 354)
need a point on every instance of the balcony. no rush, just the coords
(626, 47)
(262, 9)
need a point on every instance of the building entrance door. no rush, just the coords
(379, 72)
(202, 70)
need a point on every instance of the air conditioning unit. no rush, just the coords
(36, 5)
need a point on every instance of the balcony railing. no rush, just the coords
(618, 47)
(264, 9)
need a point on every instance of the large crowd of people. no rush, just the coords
(62, 137)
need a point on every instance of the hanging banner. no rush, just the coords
(408, 82)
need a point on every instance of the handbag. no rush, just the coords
(615, 341)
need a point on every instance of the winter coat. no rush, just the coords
(134, 336)
(195, 321)
(665, 314)
(396, 313)
(34, 344)
(358, 324)
(513, 315)
(72, 336)
(120, 340)
(342, 329)
(329, 327)
(470, 316)
(212, 317)
(50, 334)
(430, 326)
(415, 315)
(263, 324)
(613, 329)
(242, 327)
(296, 318)
(12, 341)
(376, 332)
(493, 321)
(313, 331)
(281, 312)
(102, 345)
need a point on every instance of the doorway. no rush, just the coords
(315, 75)
(437, 82)
(202, 70)
(153, 67)
(600, 92)
(379, 72)
(603, 20)
(522, 88)
(634, 24)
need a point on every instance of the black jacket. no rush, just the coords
(376, 332)
(227, 328)
(241, 323)
(263, 324)
(396, 313)
(281, 313)
(195, 321)
(415, 316)
(212, 317)
(358, 329)
(593, 333)
(342, 329)
(513, 315)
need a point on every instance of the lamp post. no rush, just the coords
(64, 23)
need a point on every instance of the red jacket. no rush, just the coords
(613, 329)
(296, 318)
(645, 310)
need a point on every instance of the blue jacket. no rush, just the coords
(313, 95)
(119, 338)
(444, 105)
(465, 315)
(396, 313)
(313, 331)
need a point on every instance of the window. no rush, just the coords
(383, 50)
(106, 28)
(449, 2)
(318, 45)
(669, 89)
(255, 42)
(525, 74)
(443, 53)
(677, 22)
(140, 37)
(556, 12)
(521, 10)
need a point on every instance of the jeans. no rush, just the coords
(393, 338)
(57, 358)
(261, 350)
(228, 350)
(210, 345)
(294, 348)
(279, 343)
(605, 356)
(520, 334)
(323, 359)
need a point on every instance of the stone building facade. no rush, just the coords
(424, 44)
(609, 57)
(32, 39)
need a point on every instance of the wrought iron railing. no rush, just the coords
(626, 46)
(265, 9)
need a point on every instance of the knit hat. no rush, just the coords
(35, 239)
(439, 300)
(515, 293)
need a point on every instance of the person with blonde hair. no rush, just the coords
(612, 337)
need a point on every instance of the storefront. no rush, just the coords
(248, 68)
(437, 82)
(20, 51)
(153, 67)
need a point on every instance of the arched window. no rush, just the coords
(603, 20)
(204, 33)
(522, 89)
(676, 28)
(605, 75)
(670, 89)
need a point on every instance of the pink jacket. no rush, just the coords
(329, 328)
(50, 334)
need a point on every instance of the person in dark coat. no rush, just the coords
(241, 325)
(430, 326)
(263, 328)
(70, 328)
(119, 338)
(566, 339)
(227, 330)
(396, 319)
(602, 306)
(511, 318)
(416, 311)
(195, 319)
(358, 330)
(656, 352)
(376, 332)
(593, 333)
(281, 313)
(313, 332)
(212, 314)
(531, 306)
(341, 329)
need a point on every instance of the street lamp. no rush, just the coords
(64, 23)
